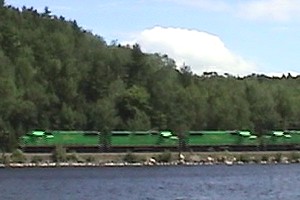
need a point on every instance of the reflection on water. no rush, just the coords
(153, 183)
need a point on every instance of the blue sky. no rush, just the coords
(239, 37)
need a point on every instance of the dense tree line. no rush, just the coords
(56, 75)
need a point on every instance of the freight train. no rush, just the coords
(136, 141)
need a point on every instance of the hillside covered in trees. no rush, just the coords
(55, 75)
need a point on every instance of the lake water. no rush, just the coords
(153, 183)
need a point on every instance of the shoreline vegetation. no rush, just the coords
(60, 158)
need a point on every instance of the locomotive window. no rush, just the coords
(154, 133)
(166, 134)
(234, 132)
(278, 133)
(196, 133)
(38, 133)
(253, 137)
(141, 133)
(92, 133)
(121, 133)
(245, 133)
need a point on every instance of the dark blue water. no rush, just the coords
(153, 183)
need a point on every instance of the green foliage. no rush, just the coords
(1, 3)
(130, 158)
(59, 154)
(140, 121)
(56, 75)
(278, 157)
(90, 159)
(103, 115)
(264, 157)
(4, 142)
(36, 159)
(17, 156)
(4, 159)
(295, 156)
(244, 158)
(132, 105)
(74, 157)
(166, 156)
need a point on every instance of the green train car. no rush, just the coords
(142, 138)
(122, 141)
(221, 139)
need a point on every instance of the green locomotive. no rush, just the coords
(50, 138)
(45, 141)
(283, 140)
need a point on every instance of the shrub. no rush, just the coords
(74, 157)
(18, 156)
(59, 154)
(36, 159)
(264, 158)
(254, 159)
(4, 159)
(130, 158)
(295, 156)
(278, 157)
(164, 157)
(244, 158)
(221, 159)
(90, 159)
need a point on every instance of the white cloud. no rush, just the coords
(275, 10)
(202, 51)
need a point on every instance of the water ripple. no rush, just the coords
(265, 182)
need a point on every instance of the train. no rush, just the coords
(157, 141)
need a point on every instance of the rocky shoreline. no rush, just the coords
(181, 160)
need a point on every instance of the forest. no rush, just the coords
(56, 75)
